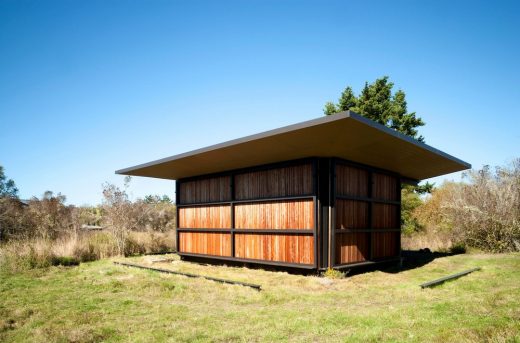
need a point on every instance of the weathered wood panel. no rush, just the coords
(384, 244)
(271, 183)
(287, 214)
(211, 189)
(385, 216)
(351, 247)
(207, 243)
(351, 181)
(280, 248)
(384, 187)
(351, 214)
(205, 217)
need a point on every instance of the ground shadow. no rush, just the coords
(410, 259)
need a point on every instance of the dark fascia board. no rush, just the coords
(295, 127)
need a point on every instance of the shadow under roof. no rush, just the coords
(346, 135)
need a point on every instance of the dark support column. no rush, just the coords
(399, 216)
(370, 215)
(324, 204)
(177, 197)
(232, 206)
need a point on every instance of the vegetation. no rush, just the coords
(99, 301)
(42, 232)
(483, 212)
(376, 102)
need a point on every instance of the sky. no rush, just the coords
(90, 87)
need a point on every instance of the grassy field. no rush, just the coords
(99, 301)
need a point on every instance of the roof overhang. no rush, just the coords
(345, 135)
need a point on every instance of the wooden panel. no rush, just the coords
(218, 244)
(288, 214)
(384, 187)
(280, 248)
(205, 217)
(384, 244)
(351, 247)
(351, 214)
(205, 190)
(385, 216)
(351, 181)
(279, 182)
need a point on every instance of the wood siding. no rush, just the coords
(384, 244)
(207, 243)
(274, 183)
(205, 217)
(211, 189)
(279, 248)
(384, 187)
(352, 247)
(351, 181)
(245, 204)
(351, 214)
(289, 214)
(358, 220)
(385, 216)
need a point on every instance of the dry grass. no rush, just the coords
(100, 301)
(435, 240)
(19, 255)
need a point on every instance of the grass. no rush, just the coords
(99, 301)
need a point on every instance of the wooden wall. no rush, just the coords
(274, 183)
(270, 247)
(286, 214)
(205, 217)
(365, 202)
(255, 202)
(213, 189)
(207, 243)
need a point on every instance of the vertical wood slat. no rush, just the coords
(356, 246)
(385, 244)
(278, 182)
(384, 187)
(385, 216)
(207, 243)
(289, 214)
(201, 217)
(351, 181)
(352, 247)
(212, 189)
(292, 214)
(351, 214)
(278, 248)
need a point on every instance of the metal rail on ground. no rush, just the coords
(167, 271)
(449, 277)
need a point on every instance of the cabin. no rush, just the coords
(324, 193)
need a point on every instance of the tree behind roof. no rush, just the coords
(376, 102)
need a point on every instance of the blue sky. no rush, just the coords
(88, 87)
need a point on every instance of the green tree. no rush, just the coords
(378, 103)
(7, 186)
(157, 199)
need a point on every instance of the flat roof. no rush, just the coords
(346, 135)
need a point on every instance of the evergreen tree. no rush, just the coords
(376, 102)
(7, 186)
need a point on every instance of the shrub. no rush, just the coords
(64, 261)
(483, 212)
(334, 274)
